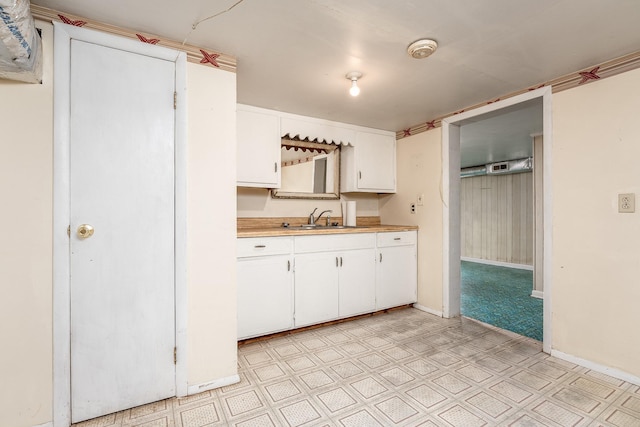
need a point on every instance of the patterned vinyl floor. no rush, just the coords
(402, 368)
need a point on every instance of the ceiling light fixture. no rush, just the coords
(422, 48)
(354, 76)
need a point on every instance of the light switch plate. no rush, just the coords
(626, 203)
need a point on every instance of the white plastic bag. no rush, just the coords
(20, 43)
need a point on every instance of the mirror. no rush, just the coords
(309, 170)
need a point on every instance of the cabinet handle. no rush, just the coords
(288, 265)
(260, 246)
(275, 167)
(397, 238)
(380, 256)
(340, 261)
(360, 174)
(336, 261)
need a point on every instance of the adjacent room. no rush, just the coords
(498, 219)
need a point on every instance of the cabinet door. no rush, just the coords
(316, 288)
(258, 138)
(357, 282)
(265, 295)
(376, 162)
(396, 276)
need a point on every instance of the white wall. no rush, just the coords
(211, 230)
(496, 218)
(596, 251)
(26, 180)
(295, 178)
(257, 202)
(596, 265)
(419, 172)
(26, 159)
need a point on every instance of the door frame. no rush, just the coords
(451, 204)
(61, 207)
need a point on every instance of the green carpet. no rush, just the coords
(501, 297)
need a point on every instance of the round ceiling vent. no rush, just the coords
(422, 48)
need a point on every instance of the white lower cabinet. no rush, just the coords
(265, 286)
(316, 288)
(290, 282)
(396, 272)
(357, 291)
(334, 277)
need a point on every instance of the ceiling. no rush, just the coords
(505, 134)
(293, 54)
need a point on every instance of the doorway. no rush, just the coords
(497, 218)
(119, 196)
(451, 152)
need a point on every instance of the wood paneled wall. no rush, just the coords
(497, 215)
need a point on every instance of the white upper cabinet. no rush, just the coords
(258, 145)
(315, 129)
(368, 156)
(370, 164)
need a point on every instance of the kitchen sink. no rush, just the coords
(318, 227)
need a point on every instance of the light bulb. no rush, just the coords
(354, 90)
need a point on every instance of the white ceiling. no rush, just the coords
(506, 134)
(293, 54)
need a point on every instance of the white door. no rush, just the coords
(396, 277)
(316, 288)
(265, 295)
(357, 282)
(376, 157)
(121, 184)
(258, 150)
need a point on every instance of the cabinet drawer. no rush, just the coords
(396, 238)
(334, 242)
(259, 246)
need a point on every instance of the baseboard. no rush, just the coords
(427, 310)
(498, 263)
(49, 424)
(612, 372)
(199, 388)
(537, 294)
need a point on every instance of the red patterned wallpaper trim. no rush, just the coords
(220, 60)
(606, 69)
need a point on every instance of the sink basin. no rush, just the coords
(318, 227)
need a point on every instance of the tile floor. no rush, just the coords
(403, 368)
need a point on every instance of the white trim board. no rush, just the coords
(537, 294)
(427, 310)
(61, 166)
(612, 372)
(49, 424)
(210, 385)
(497, 263)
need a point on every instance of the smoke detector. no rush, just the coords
(422, 48)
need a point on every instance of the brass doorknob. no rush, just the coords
(85, 231)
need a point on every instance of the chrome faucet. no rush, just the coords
(312, 219)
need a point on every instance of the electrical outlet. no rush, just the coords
(413, 208)
(626, 203)
(420, 199)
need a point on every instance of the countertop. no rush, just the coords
(282, 231)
